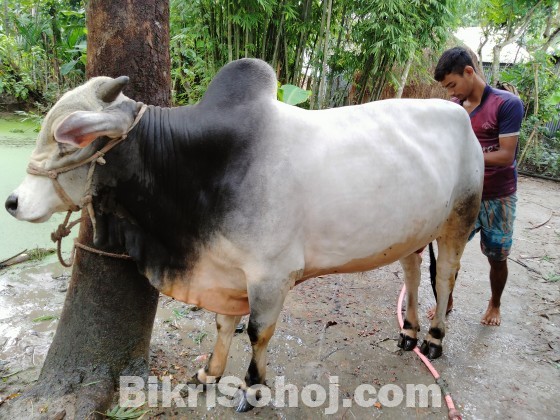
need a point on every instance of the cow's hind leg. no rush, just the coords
(408, 336)
(451, 244)
(447, 266)
(266, 301)
(225, 324)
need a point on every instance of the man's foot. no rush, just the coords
(432, 311)
(492, 316)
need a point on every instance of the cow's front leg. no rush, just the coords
(408, 337)
(266, 303)
(225, 324)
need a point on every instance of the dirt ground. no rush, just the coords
(343, 329)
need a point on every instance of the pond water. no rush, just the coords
(17, 140)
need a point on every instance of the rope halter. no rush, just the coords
(98, 158)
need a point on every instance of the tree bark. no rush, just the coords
(404, 77)
(322, 100)
(315, 79)
(304, 34)
(106, 323)
(229, 33)
(277, 41)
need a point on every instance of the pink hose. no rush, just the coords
(453, 413)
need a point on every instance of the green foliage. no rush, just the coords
(389, 33)
(125, 413)
(373, 37)
(539, 87)
(553, 277)
(45, 318)
(293, 95)
(38, 254)
(198, 337)
(42, 49)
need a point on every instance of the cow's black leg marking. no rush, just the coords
(406, 342)
(225, 324)
(408, 335)
(259, 335)
(430, 348)
(436, 333)
(265, 308)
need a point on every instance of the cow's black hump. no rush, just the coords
(240, 81)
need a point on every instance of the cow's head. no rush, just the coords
(95, 109)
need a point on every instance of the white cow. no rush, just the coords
(229, 203)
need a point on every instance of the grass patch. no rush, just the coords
(38, 254)
(124, 413)
(552, 277)
(45, 318)
(198, 337)
(180, 313)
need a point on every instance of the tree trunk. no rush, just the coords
(6, 19)
(277, 41)
(335, 70)
(229, 33)
(364, 79)
(404, 76)
(264, 39)
(306, 78)
(300, 50)
(323, 84)
(497, 51)
(106, 322)
(315, 78)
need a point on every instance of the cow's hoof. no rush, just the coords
(240, 399)
(407, 343)
(194, 380)
(431, 350)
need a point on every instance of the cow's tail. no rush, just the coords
(433, 268)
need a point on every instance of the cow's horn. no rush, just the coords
(110, 90)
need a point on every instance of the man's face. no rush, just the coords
(458, 85)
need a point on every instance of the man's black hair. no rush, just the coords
(454, 61)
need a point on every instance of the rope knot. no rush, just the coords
(100, 156)
(86, 199)
(62, 231)
(52, 174)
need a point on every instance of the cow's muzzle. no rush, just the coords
(11, 204)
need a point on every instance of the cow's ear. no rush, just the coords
(80, 128)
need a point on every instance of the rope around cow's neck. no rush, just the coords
(65, 227)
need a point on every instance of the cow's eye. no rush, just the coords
(64, 149)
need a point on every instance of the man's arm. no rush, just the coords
(505, 155)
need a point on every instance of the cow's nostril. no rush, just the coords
(12, 204)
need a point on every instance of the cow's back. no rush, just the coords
(370, 180)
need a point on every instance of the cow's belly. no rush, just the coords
(373, 225)
(221, 300)
(217, 281)
(324, 264)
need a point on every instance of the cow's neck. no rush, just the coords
(167, 188)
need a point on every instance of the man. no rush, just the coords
(496, 120)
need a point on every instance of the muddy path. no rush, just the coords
(338, 333)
